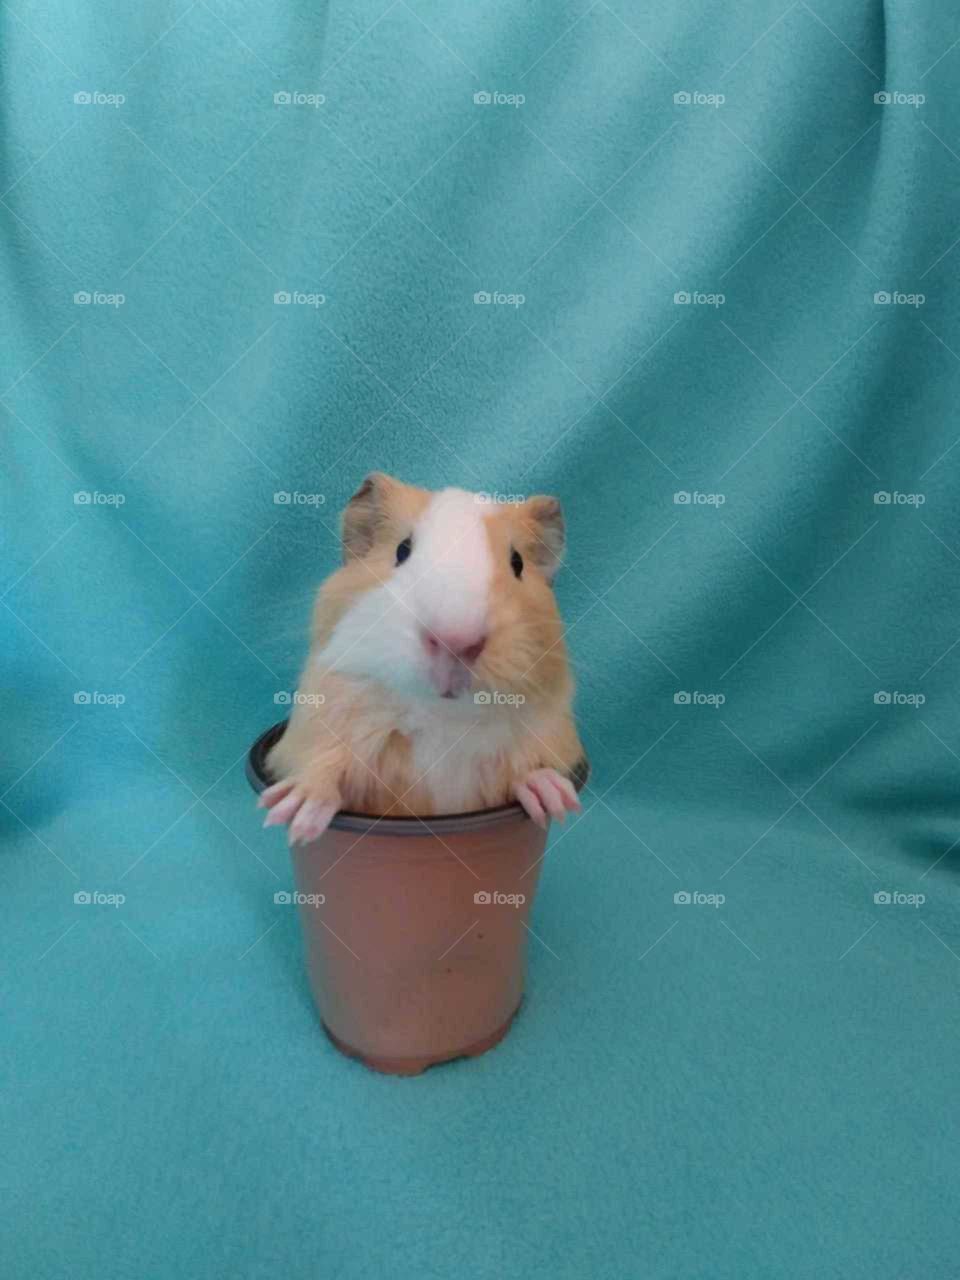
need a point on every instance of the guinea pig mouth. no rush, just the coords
(449, 677)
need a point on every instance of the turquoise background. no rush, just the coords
(764, 1088)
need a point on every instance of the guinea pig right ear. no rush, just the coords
(544, 517)
(363, 514)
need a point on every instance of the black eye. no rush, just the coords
(403, 550)
(516, 562)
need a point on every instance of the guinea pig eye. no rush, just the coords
(403, 550)
(516, 563)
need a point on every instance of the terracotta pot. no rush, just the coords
(415, 929)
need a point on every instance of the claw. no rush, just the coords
(546, 794)
(290, 802)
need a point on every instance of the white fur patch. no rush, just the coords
(443, 587)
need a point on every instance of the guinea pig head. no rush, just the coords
(448, 596)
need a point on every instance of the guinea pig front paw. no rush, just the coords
(308, 814)
(545, 792)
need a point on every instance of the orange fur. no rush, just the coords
(347, 742)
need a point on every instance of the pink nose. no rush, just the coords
(466, 648)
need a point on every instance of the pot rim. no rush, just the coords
(437, 824)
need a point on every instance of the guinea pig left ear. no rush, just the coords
(544, 516)
(363, 513)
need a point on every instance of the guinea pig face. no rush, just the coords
(447, 597)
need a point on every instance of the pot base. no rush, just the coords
(414, 1066)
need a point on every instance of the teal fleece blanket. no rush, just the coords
(690, 267)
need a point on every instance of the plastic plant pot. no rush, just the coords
(415, 928)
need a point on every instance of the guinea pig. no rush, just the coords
(437, 679)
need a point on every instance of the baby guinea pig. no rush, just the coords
(437, 679)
